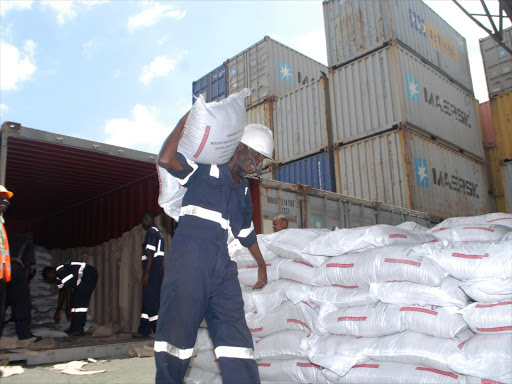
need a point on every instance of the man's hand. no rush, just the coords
(56, 317)
(262, 277)
(145, 279)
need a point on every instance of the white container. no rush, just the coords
(405, 169)
(302, 122)
(497, 64)
(393, 86)
(269, 68)
(354, 28)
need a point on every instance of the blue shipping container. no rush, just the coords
(316, 171)
(212, 86)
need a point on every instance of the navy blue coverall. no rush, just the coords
(82, 278)
(200, 279)
(153, 245)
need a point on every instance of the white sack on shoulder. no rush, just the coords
(485, 356)
(290, 243)
(490, 218)
(379, 265)
(488, 290)
(213, 130)
(470, 260)
(170, 195)
(489, 319)
(415, 348)
(405, 293)
(290, 371)
(475, 232)
(345, 240)
(381, 372)
(336, 353)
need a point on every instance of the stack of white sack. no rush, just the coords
(368, 304)
(210, 136)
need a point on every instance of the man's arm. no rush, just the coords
(262, 267)
(145, 277)
(167, 157)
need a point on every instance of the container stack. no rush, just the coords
(498, 127)
(290, 95)
(405, 125)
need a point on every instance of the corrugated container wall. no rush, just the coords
(393, 86)
(263, 113)
(316, 171)
(302, 122)
(495, 171)
(269, 68)
(507, 184)
(306, 207)
(356, 27)
(497, 64)
(212, 86)
(501, 108)
(405, 169)
(488, 135)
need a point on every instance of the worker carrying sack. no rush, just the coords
(213, 130)
(210, 136)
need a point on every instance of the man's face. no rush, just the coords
(247, 155)
(277, 225)
(4, 203)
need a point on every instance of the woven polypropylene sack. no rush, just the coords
(196, 375)
(213, 130)
(485, 318)
(472, 232)
(290, 371)
(280, 345)
(490, 218)
(170, 195)
(488, 290)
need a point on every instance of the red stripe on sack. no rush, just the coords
(336, 265)
(255, 312)
(462, 344)
(464, 256)
(487, 381)
(216, 360)
(503, 218)
(346, 286)
(303, 262)
(432, 241)
(493, 305)
(304, 302)
(351, 318)
(438, 371)
(482, 228)
(194, 356)
(496, 329)
(366, 366)
(440, 229)
(203, 142)
(400, 261)
(264, 364)
(398, 235)
(255, 266)
(414, 309)
(256, 329)
(298, 322)
(308, 365)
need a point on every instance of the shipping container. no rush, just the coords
(269, 68)
(306, 207)
(497, 64)
(212, 86)
(316, 171)
(393, 86)
(488, 134)
(354, 28)
(405, 169)
(501, 108)
(507, 186)
(302, 123)
(263, 113)
(495, 171)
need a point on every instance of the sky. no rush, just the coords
(120, 72)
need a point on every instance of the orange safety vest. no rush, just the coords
(5, 255)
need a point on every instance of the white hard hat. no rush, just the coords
(259, 138)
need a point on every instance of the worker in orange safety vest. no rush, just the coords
(5, 257)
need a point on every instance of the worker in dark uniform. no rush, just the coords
(5, 255)
(153, 274)
(200, 280)
(76, 282)
(23, 260)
